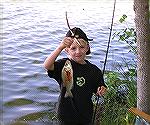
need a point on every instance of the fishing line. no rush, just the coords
(108, 45)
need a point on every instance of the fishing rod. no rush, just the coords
(108, 45)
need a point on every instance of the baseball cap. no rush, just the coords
(78, 33)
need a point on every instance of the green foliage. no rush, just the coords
(117, 102)
(116, 106)
(122, 19)
(127, 35)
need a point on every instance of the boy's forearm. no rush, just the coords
(49, 62)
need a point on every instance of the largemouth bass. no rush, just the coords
(67, 78)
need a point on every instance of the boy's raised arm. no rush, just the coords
(49, 62)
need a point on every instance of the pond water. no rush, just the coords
(32, 30)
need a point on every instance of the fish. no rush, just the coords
(67, 78)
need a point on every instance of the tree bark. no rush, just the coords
(142, 23)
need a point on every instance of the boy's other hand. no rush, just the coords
(101, 90)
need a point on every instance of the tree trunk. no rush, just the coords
(142, 23)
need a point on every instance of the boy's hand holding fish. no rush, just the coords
(65, 43)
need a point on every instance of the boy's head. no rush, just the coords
(79, 34)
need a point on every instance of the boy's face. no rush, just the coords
(77, 52)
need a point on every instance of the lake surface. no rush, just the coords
(32, 30)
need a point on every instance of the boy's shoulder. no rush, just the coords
(92, 65)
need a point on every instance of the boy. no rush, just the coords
(77, 77)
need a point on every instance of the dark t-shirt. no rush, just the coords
(87, 78)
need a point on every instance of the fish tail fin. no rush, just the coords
(68, 94)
